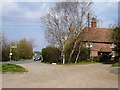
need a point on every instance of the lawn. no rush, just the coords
(86, 62)
(12, 68)
(116, 64)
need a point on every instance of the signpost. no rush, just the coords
(10, 54)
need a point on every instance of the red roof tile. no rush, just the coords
(97, 34)
(101, 47)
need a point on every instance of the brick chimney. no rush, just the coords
(94, 23)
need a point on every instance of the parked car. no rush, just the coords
(37, 58)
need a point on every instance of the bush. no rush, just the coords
(5, 53)
(24, 50)
(85, 54)
(96, 58)
(51, 55)
(105, 57)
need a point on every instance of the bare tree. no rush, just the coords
(64, 21)
(84, 9)
(81, 36)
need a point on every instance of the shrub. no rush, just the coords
(51, 55)
(84, 54)
(24, 50)
(105, 57)
(5, 53)
(96, 58)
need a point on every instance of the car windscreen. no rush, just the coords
(37, 56)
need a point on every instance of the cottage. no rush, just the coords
(98, 39)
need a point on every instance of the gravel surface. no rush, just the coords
(62, 76)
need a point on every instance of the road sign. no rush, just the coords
(13, 46)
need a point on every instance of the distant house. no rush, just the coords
(98, 39)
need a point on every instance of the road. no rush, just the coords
(19, 62)
(61, 76)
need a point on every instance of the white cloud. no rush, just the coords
(0, 15)
(12, 9)
(56, 0)
(33, 0)
(106, 12)
(43, 9)
(106, 0)
(32, 15)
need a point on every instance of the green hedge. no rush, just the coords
(84, 55)
(51, 55)
(84, 52)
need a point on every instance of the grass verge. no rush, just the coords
(116, 64)
(79, 63)
(12, 68)
(86, 62)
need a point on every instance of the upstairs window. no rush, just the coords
(89, 45)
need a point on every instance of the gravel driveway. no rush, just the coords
(61, 76)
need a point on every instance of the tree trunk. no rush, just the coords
(63, 55)
(79, 52)
(73, 50)
(78, 55)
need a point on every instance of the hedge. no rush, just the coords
(51, 55)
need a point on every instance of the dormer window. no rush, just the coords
(89, 45)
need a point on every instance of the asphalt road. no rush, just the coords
(19, 62)
(61, 76)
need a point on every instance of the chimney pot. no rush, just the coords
(94, 23)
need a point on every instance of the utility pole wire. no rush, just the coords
(19, 19)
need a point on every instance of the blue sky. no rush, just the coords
(22, 19)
